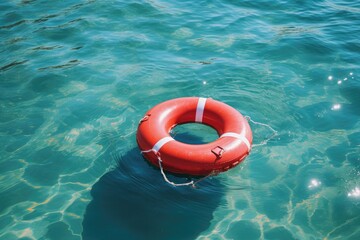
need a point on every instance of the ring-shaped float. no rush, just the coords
(232, 146)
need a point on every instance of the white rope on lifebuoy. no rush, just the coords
(156, 148)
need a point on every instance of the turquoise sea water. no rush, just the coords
(76, 77)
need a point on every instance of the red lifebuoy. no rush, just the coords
(232, 146)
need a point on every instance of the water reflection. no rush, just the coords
(354, 192)
(326, 116)
(336, 106)
(314, 183)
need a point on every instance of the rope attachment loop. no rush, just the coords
(264, 142)
(158, 155)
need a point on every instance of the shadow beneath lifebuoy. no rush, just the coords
(134, 202)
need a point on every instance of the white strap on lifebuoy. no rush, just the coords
(161, 143)
(238, 136)
(200, 110)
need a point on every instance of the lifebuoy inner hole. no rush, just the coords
(194, 133)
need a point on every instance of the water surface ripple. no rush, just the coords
(76, 77)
